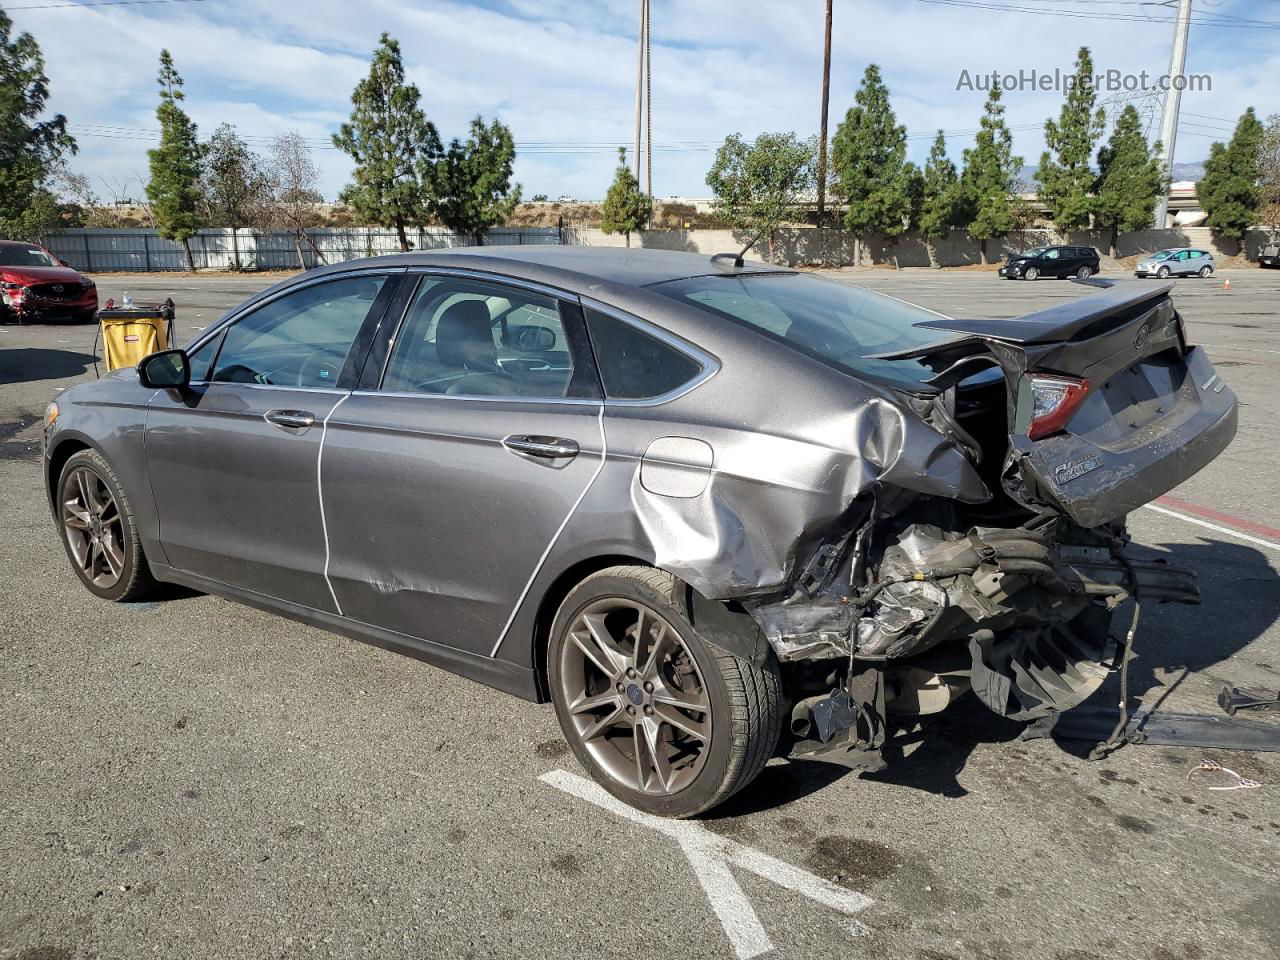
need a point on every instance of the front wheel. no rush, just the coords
(660, 718)
(1031, 274)
(99, 531)
(1163, 273)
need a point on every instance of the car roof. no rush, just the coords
(568, 266)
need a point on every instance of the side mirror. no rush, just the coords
(529, 338)
(169, 370)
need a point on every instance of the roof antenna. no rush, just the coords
(737, 257)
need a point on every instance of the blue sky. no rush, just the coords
(561, 73)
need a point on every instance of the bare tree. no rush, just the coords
(294, 194)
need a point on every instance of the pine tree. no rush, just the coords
(234, 183)
(31, 149)
(393, 144)
(1230, 192)
(989, 205)
(869, 156)
(1130, 178)
(756, 184)
(174, 188)
(626, 208)
(1066, 182)
(473, 183)
(939, 193)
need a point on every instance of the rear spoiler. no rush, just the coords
(1055, 325)
(1065, 321)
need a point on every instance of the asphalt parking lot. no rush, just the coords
(192, 778)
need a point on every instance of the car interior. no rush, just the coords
(460, 337)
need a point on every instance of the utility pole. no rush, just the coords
(1172, 100)
(648, 106)
(635, 154)
(822, 133)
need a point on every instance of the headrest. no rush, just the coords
(464, 337)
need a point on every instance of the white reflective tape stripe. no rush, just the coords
(1269, 544)
(324, 526)
(555, 536)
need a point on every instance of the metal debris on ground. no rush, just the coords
(1213, 766)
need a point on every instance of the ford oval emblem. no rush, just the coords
(1140, 340)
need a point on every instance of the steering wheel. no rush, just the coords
(325, 372)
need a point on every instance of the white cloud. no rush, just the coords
(561, 72)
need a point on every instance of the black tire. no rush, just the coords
(134, 580)
(86, 316)
(746, 701)
(1163, 273)
(1206, 272)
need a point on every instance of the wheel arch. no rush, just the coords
(723, 623)
(62, 451)
(550, 602)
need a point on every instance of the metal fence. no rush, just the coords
(145, 251)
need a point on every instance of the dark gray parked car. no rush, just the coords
(711, 511)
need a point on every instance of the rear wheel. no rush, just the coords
(1205, 272)
(1084, 273)
(98, 529)
(661, 719)
(1031, 274)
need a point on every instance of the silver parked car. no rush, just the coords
(1175, 262)
(712, 511)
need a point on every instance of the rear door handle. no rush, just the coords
(294, 419)
(549, 448)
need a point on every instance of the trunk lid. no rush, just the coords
(1155, 411)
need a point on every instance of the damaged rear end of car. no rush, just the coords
(1072, 417)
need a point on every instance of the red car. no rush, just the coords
(35, 285)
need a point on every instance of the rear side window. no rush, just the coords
(841, 325)
(634, 365)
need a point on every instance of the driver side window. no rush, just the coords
(300, 339)
(466, 337)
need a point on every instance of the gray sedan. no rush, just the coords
(712, 511)
(1175, 262)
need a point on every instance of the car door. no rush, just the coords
(1051, 262)
(448, 475)
(233, 459)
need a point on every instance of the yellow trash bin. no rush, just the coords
(130, 335)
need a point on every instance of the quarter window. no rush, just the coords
(300, 339)
(473, 338)
(634, 365)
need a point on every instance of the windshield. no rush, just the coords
(835, 323)
(1034, 252)
(1163, 254)
(20, 255)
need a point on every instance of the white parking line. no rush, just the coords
(1269, 544)
(711, 856)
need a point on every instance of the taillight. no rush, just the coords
(1055, 398)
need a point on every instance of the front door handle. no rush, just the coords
(293, 419)
(549, 448)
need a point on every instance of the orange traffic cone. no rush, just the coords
(1226, 284)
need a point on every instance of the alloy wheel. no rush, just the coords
(635, 696)
(1031, 273)
(94, 528)
(1084, 273)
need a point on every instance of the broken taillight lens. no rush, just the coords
(1055, 399)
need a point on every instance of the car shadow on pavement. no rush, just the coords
(25, 364)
